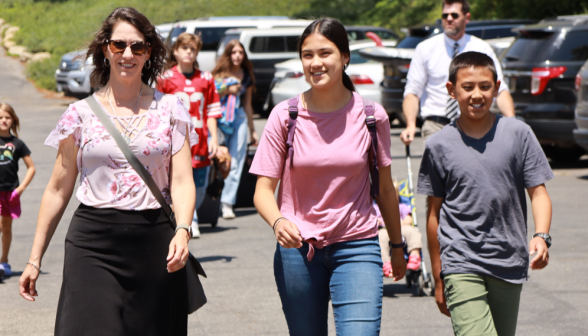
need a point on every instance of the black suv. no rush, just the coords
(540, 68)
(396, 69)
(581, 133)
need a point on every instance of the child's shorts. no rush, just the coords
(9, 204)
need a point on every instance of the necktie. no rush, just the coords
(452, 108)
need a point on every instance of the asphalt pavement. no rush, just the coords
(238, 254)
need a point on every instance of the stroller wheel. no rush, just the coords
(409, 276)
(425, 288)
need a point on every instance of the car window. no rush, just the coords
(224, 41)
(529, 47)
(273, 44)
(292, 43)
(573, 48)
(357, 59)
(495, 33)
(410, 42)
(211, 36)
(385, 35)
(175, 32)
(352, 35)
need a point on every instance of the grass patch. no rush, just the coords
(42, 73)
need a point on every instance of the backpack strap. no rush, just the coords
(370, 121)
(293, 112)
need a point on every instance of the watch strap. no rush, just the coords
(185, 227)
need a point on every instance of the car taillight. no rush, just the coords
(541, 76)
(294, 74)
(361, 79)
(404, 68)
(578, 82)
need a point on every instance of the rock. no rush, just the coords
(25, 56)
(40, 56)
(9, 44)
(9, 36)
(2, 22)
(3, 28)
(12, 30)
(16, 50)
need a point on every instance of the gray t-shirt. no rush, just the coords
(483, 220)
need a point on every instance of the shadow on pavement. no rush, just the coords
(216, 258)
(245, 212)
(392, 290)
(579, 164)
(204, 228)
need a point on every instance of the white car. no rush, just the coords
(366, 74)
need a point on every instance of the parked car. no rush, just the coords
(396, 64)
(264, 48)
(357, 33)
(540, 69)
(212, 30)
(366, 74)
(581, 133)
(73, 75)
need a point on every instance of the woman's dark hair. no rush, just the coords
(223, 65)
(334, 31)
(101, 73)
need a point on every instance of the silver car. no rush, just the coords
(581, 118)
(73, 74)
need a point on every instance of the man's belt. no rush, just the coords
(439, 119)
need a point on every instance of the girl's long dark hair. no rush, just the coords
(223, 65)
(334, 31)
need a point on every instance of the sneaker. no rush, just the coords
(1, 272)
(387, 268)
(195, 231)
(414, 262)
(7, 270)
(228, 211)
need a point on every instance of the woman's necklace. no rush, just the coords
(125, 132)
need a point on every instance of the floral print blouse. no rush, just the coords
(107, 179)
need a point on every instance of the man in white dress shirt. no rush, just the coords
(429, 72)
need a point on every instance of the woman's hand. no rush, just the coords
(398, 264)
(28, 282)
(234, 89)
(178, 251)
(254, 138)
(287, 234)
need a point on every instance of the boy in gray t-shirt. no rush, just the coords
(475, 172)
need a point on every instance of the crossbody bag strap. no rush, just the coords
(131, 157)
(293, 114)
(370, 121)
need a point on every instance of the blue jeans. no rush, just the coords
(349, 273)
(201, 180)
(237, 144)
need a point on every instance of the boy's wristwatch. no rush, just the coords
(545, 237)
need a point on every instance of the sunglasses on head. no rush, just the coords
(137, 48)
(444, 16)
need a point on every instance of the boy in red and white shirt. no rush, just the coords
(198, 92)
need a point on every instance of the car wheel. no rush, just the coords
(563, 154)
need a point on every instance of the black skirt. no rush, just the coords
(115, 279)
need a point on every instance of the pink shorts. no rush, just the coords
(9, 204)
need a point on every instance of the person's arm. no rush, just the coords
(213, 144)
(286, 232)
(183, 194)
(29, 176)
(234, 89)
(249, 110)
(433, 215)
(541, 204)
(53, 204)
(410, 108)
(388, 204)
(505, 103)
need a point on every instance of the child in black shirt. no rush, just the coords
(11, 150)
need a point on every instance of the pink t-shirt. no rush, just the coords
(107, 179)
(326, 193)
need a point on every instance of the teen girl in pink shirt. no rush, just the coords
(323, 220)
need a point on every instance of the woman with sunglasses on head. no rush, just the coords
(124, 265)
(324, 222)
(197, 90)
(235, 83)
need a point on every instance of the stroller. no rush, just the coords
(421, 278)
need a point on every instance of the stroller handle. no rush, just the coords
(407, 150)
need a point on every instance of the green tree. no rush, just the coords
(527, 9)
(346, 11)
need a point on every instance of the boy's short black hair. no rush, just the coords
(471, 59)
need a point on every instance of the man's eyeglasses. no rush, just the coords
(444, 16)
(137, 48)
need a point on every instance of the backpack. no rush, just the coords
(370, 121)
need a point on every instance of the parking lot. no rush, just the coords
(237, 255)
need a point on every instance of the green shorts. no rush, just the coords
(482, 305)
